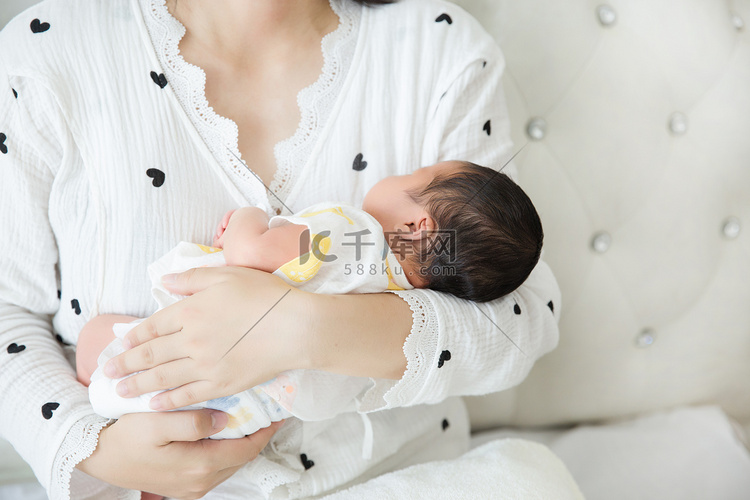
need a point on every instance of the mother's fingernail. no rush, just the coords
(219, 419)
(109, 370)
(122, 390)
(169, 278)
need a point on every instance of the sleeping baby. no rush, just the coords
(454, 227)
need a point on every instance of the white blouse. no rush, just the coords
(110, 155)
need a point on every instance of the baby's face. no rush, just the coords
(389, 202)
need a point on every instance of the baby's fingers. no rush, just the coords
(225, 220)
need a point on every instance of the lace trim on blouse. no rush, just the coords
(419, 348)
(79, 444)
(188, 82)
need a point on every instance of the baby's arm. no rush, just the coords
(247, 241)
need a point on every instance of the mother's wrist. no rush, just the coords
(361, 335)
(307, 319)
(323, 318)
(92, 465)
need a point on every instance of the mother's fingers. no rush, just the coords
(194, 280)
(189, 425)
(171, 319)
(228, 453)
(161, 377)
(185, 395)
(145, 356)
(164, 322)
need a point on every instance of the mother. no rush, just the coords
(120, 121)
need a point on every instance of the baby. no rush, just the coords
(454, 226)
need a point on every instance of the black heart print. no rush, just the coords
(487, 127)
(446, 424)
(76, 306)
(3, 147)
(444, 17)
(39, 27)
(444, 356)
(15, 348)
(15, 94)
(517, 309)
(60, 339)
(305, 462)
(359, 163)
(157, 176)
(48, 408)
(551, 306)
(159, 79)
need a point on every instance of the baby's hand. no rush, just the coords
(219, 236)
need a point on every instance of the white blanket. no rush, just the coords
(690, 453)
(501, 469)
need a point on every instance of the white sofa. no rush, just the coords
(637, 119)
(636, 116)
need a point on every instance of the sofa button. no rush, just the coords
(645, 338)
(606, 14)
(678, 123)
(536, 129)
(737, 22)
(731, 228)
(601, 242)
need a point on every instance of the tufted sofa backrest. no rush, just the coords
(637, 119)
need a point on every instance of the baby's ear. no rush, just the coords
(414, 236)
(417, 230)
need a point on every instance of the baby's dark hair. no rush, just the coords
(488, 236)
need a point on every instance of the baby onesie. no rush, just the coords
(348, 253)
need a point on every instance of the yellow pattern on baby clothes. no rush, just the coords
(238, 418)
(333, 210)
(391, 284)
(303, 268)
(208, 249)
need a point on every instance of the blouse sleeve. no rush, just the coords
(458, 347)
(45, 413)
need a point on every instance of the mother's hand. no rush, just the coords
(165, 453)
(238, 328)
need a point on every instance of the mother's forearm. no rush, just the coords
(360, 335)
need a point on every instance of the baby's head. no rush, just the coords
(459, 228)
